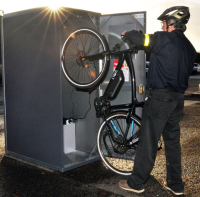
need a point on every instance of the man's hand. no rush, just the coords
(123, 33)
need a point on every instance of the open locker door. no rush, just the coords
(111, 26)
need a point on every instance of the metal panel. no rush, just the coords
(32, 86)
(69, 140)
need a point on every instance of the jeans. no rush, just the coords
(161, 115)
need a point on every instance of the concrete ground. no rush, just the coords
(19, 178)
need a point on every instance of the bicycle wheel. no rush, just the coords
(84, 74)
(116, 156)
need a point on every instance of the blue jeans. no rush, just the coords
(161, 115)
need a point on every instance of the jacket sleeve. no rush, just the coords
(140, 39)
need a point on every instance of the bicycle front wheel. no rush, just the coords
(116, 155)
(84, 74)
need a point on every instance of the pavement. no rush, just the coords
(19, 178)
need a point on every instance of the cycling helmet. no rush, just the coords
(179, 13)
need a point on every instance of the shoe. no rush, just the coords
(175, 192)
(124, 185)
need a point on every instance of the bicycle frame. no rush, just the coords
(102, 104)
(123, 55)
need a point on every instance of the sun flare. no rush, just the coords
(54, 6)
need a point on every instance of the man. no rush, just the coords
(171, 63)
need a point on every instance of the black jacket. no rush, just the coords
(172, 58)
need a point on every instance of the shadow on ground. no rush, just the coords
(21, 179)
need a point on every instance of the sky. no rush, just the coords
(153, 8)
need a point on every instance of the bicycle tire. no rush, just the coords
(84, 74)
(115, 156)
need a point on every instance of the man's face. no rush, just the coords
(164, 26)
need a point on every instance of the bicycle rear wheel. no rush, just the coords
(84, 74)
(117, 156)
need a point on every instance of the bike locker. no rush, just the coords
(43, 112)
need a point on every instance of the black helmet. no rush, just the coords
(179, 13)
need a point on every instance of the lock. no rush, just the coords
(140, 89)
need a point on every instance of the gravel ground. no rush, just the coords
(190, 141)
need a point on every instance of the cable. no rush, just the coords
(72, 102)
(73, 107)
(87, 110)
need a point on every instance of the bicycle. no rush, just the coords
(85, 57)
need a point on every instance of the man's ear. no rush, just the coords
(171, 28)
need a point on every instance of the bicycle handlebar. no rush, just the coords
(109, 53)
(118, 45)
(115, 52)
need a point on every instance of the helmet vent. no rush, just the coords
(181, 13)
(172, 12)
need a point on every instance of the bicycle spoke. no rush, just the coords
(120, 125)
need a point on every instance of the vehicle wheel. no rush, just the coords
(116, 156)
(84, 74)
